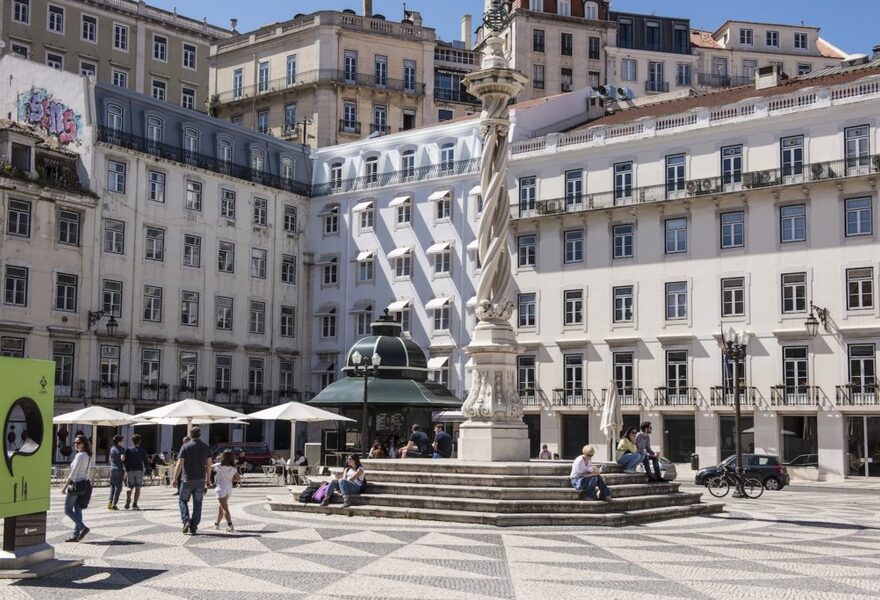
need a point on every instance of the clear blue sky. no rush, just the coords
(849, 24)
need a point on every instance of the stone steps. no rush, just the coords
(420, 465)
(513, 492)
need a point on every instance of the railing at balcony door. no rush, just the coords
(795, 395)
(723, 396)
(854, 394)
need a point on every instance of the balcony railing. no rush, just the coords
(75, 391)
(105, 391)
(282, 396)
(653, 86)
(383, 129)
(183, 392)
(151, 392)
(629, 397)
(352, 127)
(705, 186)
(723, 81)
(573, 397)
(722, 396)
(202, 161)
(795, 395)
(257, 397)
(529, 397)
(328, 76)
(667, 396)
(425, 173)
(852, 394)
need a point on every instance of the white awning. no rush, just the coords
(329, 209)
(436, 303)
(362, 306)
(400, 201)
(438, 362)
(398, 305)
(399, 252)
(324, 366)
(326, 259)
(439, 195)
(438, 248)
(474, 245)
(475, 191)
(472, 302)
(325, 309)
(364, 255)
(362, 206)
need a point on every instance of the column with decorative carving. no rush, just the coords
(494, 430)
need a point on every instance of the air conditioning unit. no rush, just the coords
(626, 93)
(691, 187)
(818, 171)
(609, 91)
(706, 185)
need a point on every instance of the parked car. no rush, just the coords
(768, 469)
(252, 455)
(804, 460)
(667, 469)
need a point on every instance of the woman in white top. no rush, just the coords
(79, 471)
(585, 476)
(225, 473)
(350, 482)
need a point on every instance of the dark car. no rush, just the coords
(766, 468)
(252, 455)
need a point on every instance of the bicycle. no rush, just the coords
(719, 486)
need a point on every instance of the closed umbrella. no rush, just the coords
(296, 412)
(612, 418)
(191, 411)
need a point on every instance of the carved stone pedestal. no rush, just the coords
(494, 430)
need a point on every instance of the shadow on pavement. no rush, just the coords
(801, 523)
(114, 543)
(81, 579)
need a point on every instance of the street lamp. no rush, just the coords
(735, 350)
(112, 324)
(365, 370)
(817, 315)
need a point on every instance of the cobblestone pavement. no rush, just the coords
(800, 544)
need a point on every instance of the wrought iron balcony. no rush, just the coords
(722, 396)
(628, 397)
(282, 396)
(182, 392)
(795, 395)
(573, 397)
(256, 397)
(653, 86)
(425, 173)
(152, 392)
(352, 127)
(854, 394)
(668, 396)
(529, 397)
(109, 390)
(723, 81)
(76, 390)
(383, 129)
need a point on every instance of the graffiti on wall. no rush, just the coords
(39, 108)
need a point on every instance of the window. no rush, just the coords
(772, 39)
(188, 98)
(746, 37)
(257, 320)
(114, 236)
(527, 250)
(111, 296)
(447, 157)
(12, 347)
(565, 77)
(15, 286)
(263, 121)
(623, 304)
(120, 78)
(573, 307)
(792, 150)
(366, 270)
(193, 195)
(350, 122)
(154, 129)
(676, 236)
(224, 153)
(109, 367)
(525, 373)
(862, 371)
(676, 377)
(289, 218)
(403, 266)
(258, 263)
(89, 31)
(859, 217)
(652, 36)
(594, 45)
(21, 11)
(189, 56)
(537, 5)
(336, 176)
(800, 41)
(860, 288)
(563, 7)
(237, 83)
(62, 354)
(573, 376)
(55, 61)
(120, 37)
(290, 120)
(189, 309)
(20, 49)
(628, 69)
(566, 44)
(328, 325)
(409, 75)
(227, 204)
(255, 376)
(261, 212)
(733, 297)
(526, 310)
(371, 170)
(793, 223)
(188, 370)
(574, 189)
(675, 175)
(443, 210)
(443, 262)
(154, 243)
(404, 212)
(263, 77)
(257, 162)
(331, 221)
(223, 313)
(226, 257)
(350, 66)
(287, 169)
(574, 246)
(683, 74)
(676, 300)
(65, 292)
(749, 69)
(441, 318)
(116, 176)
(152, 304)
(623, 181)
(380, 71)
(858, 150)
(733, 229)
(794, 293)
(731, 167)
(625, 38)
(222, 374)
(191, 140)
(285, 376)
(86, 68)
(288, 321)
(528, 190)
(150, 369)
(56, 19)
(804, 69)
(408, 163)
(288, 269)
(192, 251)
(538, 77)
(159, 87)
(538, 40)
(156, 186)
(622, 241)
(18, 218)
(160, 48)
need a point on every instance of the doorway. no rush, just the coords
(679, 440)
(863, 447)
(533, 422)
(575, 433)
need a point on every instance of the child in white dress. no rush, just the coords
(225, 473)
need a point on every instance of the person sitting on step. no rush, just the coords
(585, 476)
(643, 443)
(349, 483)
(628, 454)
(545, 453)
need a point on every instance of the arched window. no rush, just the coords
(224, 150)
(191, 140)
(447, 157)
(371, 170)
(154, 129)
(257, 160)
(336, 175)
(408, 163)
(288, 168)
(591, 10)
(114, 117)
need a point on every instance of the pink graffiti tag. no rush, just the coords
(51, 115)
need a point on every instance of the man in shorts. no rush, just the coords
(136, 461)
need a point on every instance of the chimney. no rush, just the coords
(876, 52)
(768, 77)
(466, 35)
(368, 8)
(233, 23)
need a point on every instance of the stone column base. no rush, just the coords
(493, 442)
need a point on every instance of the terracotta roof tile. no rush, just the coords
(828, 50)
(703, 39)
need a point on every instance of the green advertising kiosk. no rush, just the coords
(27, 395)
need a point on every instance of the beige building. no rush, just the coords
(129, 44)
(731, 55)
(327, 77)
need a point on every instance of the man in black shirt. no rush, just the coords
(442, 442)
(194, 464)
(422, 443)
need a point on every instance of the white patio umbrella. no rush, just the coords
(95, 416)
(296, 412)
(612, 418)
(190, 410)
(182, 421)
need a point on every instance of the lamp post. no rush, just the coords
(817, 315)
(364, 370)
(735, 349)
(112, 324)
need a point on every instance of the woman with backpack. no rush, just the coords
(78, 488)
(350, 482)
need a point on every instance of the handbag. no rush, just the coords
(321, 493)
(84, 493)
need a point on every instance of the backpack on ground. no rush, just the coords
(305, 496)
(321, 493)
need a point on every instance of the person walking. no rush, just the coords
(193, 469)
(136, 464)
(79, 473)
(585, 476)
(643, 444)
(117, 472)
(184, 442)
(628, 454)
(225, 474)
